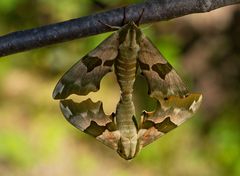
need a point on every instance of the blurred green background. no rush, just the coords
(36, 140)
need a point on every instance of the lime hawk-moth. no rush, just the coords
(126, 50)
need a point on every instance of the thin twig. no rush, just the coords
(154, 10)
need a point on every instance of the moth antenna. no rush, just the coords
(108, 25)
(139, 18)
(116, 27)
(124, 16)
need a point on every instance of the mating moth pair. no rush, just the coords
(126, 50)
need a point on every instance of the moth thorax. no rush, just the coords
(129, 48)
(129, 52)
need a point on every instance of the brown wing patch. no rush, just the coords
(91, 63)
(162, 69)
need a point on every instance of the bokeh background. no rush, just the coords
(36, 140)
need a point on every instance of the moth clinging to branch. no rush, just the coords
(126, 50)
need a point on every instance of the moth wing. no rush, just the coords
(86, 74)
(175, 104)
(169, 114)
(163, 81)
(90, 118)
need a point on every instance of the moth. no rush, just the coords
(126, 50)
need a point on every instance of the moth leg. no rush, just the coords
(124, 16)
(109, 26)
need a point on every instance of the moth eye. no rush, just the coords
(184, 96)
(166, 98)
(120, 149)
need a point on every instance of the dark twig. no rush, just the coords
(154, 10)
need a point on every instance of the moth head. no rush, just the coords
(130, 33)
(128, 148)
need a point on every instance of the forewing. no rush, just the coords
(163, 81)
(90, 118)
(86, 74)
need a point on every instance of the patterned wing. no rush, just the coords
(86, 74)
(175, 103)
(169, 114)
(162, 79)
(89, 117)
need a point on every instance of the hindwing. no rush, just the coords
(90, 118)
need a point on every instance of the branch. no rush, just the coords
(154, 10)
